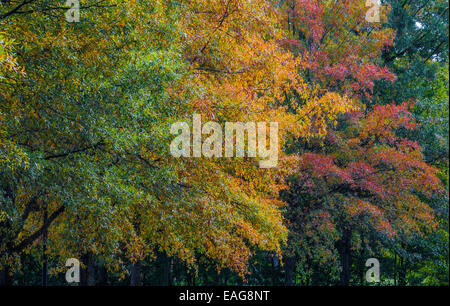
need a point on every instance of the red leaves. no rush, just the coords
(381, 123)
(309, 13)
(357, 207)
(364, 76)
(291, 42)
(372, 175)
(317, 166)
(337, 47)
(365, 178)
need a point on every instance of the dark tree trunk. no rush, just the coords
(395, 268)
(88, 272)
(362, 270)
(166, 279)
(6, 279)
(91, 272)
(194, 279)
(402, 272)
(225, 279)
(44, 251)
(102, 275)
(136, 267)
(344, 247)
(275, 270)
(136, 275)
(289, 271)
(189, 278)
(83, 271)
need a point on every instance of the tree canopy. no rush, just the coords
(85, 131)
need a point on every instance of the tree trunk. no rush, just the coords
(88, 272)
(6, 279)
(395, 268)
(289, 268)
(362, 269)
(402, 272)
(275, 274)
(102, 279)
(225, 279)
(345, 252)
(91, 272)
(166, 280)
(44, 251)
(136, 279)
(190, 275)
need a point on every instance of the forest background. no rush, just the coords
(85, 115)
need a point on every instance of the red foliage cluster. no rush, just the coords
(337, 46)
(370, 171)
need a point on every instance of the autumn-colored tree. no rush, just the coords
(366, 180)
(339, 48)
(91, 116)
(84, 102)
(86, 110)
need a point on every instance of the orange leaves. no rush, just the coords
(240, 73)
(384, 120)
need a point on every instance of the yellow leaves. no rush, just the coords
(239, 72)
(3, 216)
(136, 248)
(317, 115)
(236, 71)
(8, 61)
(12, 155)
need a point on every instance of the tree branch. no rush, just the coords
(58, 155)
(29, 240)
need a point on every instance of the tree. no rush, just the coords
(85, 117)
(367, 180)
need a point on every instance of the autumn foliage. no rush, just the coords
(86, 110)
